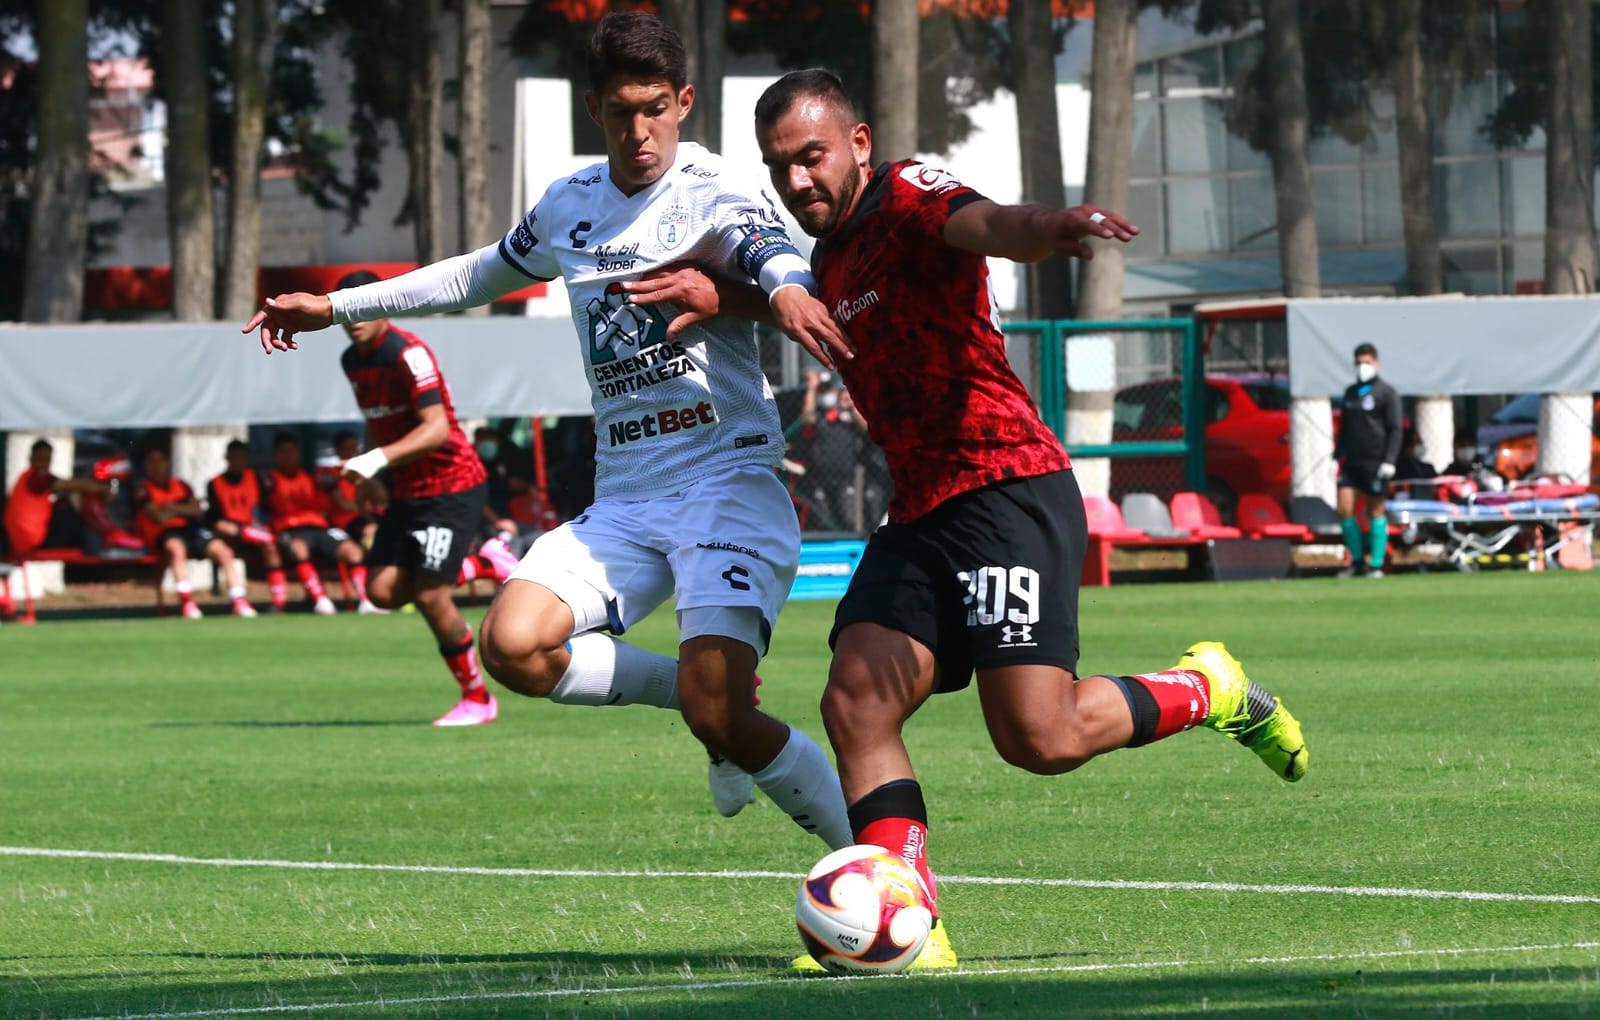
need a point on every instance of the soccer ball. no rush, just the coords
(863, 910)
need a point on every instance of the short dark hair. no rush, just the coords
(342, 436)
(636, 45)
(356, 278)
(39, 444)
(284, 439)
(237, 444)
(1367, 349)
(814, 82)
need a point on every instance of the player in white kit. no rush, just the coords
(688, 503)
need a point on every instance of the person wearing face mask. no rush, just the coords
(1368, 448)
(510, 469)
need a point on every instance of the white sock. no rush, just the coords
(803, 784)
(236, 592)
(605, 671)
(181, 587)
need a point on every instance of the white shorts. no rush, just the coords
(728, 541)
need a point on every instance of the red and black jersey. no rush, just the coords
(148, 495)
(930, 373)
(234, 499)
(296, 501)
(394, 380)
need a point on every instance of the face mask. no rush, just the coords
(1465, 454)
(488, 450)
(828, 400)
(1366, 371)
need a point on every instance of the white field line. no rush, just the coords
(823, 982)
(1045, 883)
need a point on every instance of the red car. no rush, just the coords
(1247, 438)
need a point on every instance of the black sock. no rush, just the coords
(1142, 706)
(901, 798)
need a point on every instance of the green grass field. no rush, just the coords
(320, 836)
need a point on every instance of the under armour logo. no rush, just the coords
(733, 575)
(1017, 635)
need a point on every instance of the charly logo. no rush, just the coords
(619, 328)
(672, 227)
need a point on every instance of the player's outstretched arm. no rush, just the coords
(287, 314)
(1028, 233)
(700, 297)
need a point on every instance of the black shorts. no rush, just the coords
(322, 543)
(989, 578)
(429, 535)
(1362, 475)
(195, 539)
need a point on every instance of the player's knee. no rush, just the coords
(514, 653)
(383, 591)
(710, 720)
(853, 715)
(1040, 751)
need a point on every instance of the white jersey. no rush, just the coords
(667, 413)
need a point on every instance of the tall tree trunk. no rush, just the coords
(58, 226)
(1565, 419)
(1424, 266)
(1033, 57)
(423, 130)
(191, 220)
(1310, 418)
(684, 17)
(1116, 33)
(1569, 240)
(894, 79)
(255, 25)
(473, 158)
(713, 66)
(1291, 166)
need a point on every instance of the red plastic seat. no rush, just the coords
(1260, 516)
(1105, 520)
(1197, 515)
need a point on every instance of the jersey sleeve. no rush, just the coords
(751, 240)
(524, 247)
(421, 374)
(923, 198)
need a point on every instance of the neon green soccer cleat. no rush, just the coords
(1241, 710)
(937, 954)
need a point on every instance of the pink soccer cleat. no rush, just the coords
(500, 556)
(242, 607)
(191, 611)
(470, 713)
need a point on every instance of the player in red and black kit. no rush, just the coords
(298, 508)
(233, 511)
(168, 517)
(437, 487)
(978, 566)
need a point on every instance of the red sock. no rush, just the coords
(472, 568)
(907, 838)
(1166, 703)
(308, 577)
(463, 663)
(358, 579)
(278, 585)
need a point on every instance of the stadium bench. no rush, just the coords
(1260, 516)
(1196, 514)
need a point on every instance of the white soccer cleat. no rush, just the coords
(470, 713)
(368, 608)
(324, 607)
(244, 609)
(731, 786)
(500, 556)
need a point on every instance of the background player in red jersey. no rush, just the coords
(298, 508)
(437, 488)
(978, 566)
(233, 511)
(168, 516)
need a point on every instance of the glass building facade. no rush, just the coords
(1205, 198)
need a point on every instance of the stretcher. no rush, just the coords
(1498, 528)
